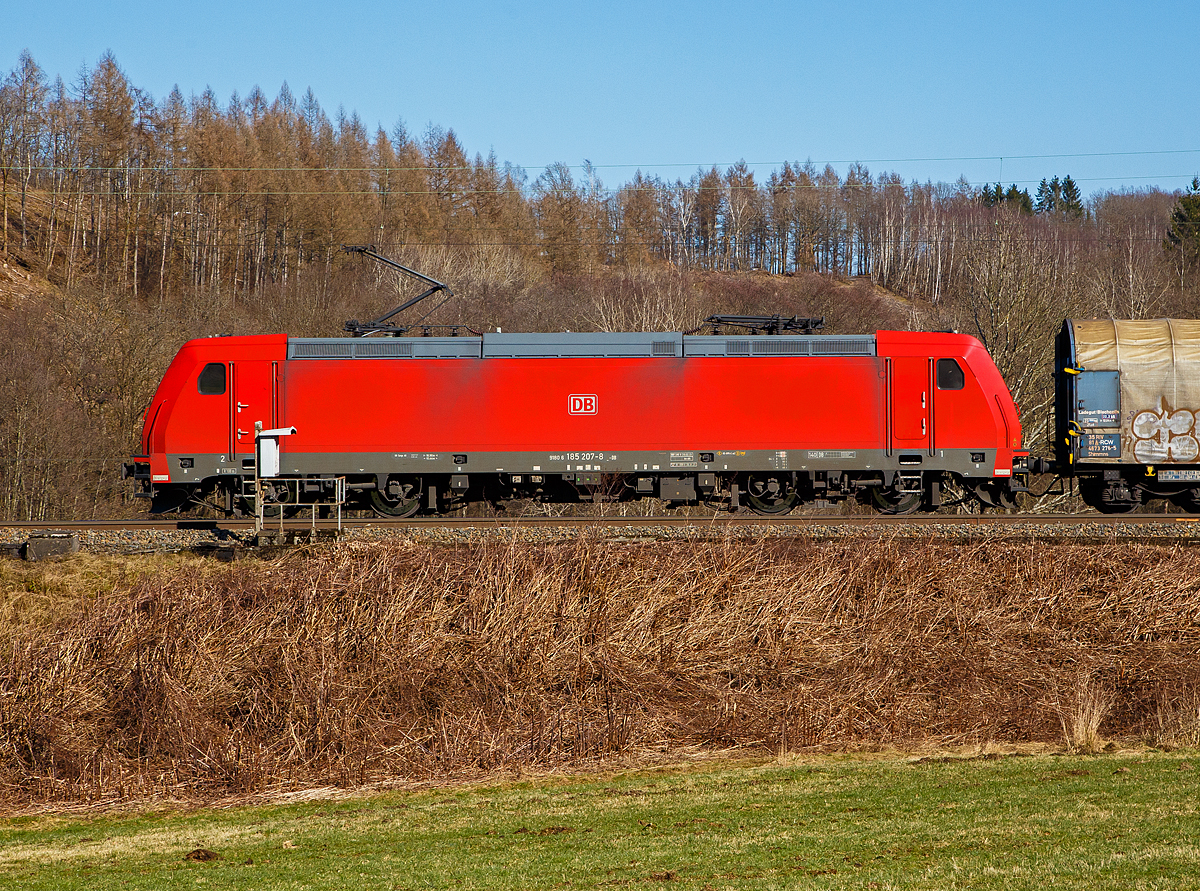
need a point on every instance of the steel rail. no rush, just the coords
(715, 521)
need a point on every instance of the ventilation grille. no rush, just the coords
(577, 345)
(778, 347)
(311, 350)
(842, 346)
(382, 349)
(596, 344)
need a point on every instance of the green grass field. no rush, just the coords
(1121, 821)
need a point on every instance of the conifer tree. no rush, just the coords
(1013, 197)
(1059, 197)
(29, 90)
(1049, 195)
(1183, 233)
(559, 209)
(1070, 201)
(1020, 199)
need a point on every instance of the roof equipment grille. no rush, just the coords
(383, 348)
(843, 346)
(379, 349)
(776, 346)
(318, 350)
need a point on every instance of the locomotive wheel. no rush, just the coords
(888, 501)
(405, 505)
(771, 494)
(167, 501)
(989, 493)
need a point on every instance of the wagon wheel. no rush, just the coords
(1117, 507)
(1188, 500)
(407, 503)
(772, 494)
(1092, 493)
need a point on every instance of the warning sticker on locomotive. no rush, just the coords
(1100, 445)
(683, 459)
(832, 454)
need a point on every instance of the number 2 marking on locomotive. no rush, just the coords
(581, 404)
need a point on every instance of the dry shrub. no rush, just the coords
(1081, 710)
(363, 662)
(1175, 722)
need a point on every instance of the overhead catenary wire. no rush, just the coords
(527, 191)
(655, 165)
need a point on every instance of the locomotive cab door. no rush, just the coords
(910, 398)
(253, 397)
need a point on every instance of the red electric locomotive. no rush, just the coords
(409, 424)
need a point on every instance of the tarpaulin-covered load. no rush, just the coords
(1136, 390)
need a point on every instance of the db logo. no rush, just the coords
(579, 404)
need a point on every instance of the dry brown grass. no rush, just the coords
(1081, 710)
(1176, 720)
(359, 662)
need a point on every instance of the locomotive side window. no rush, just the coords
(950, 375)
(212, 379)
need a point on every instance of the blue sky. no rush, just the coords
(1108, 92)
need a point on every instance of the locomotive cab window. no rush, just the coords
(212, 379)
(950, 375)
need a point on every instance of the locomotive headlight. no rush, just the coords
(187, 462)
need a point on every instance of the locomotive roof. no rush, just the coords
(664, 344)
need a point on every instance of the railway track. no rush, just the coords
(1182, 522)
(226, 539)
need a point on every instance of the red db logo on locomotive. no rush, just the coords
(581, 404)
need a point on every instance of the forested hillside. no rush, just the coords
(131, 223)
